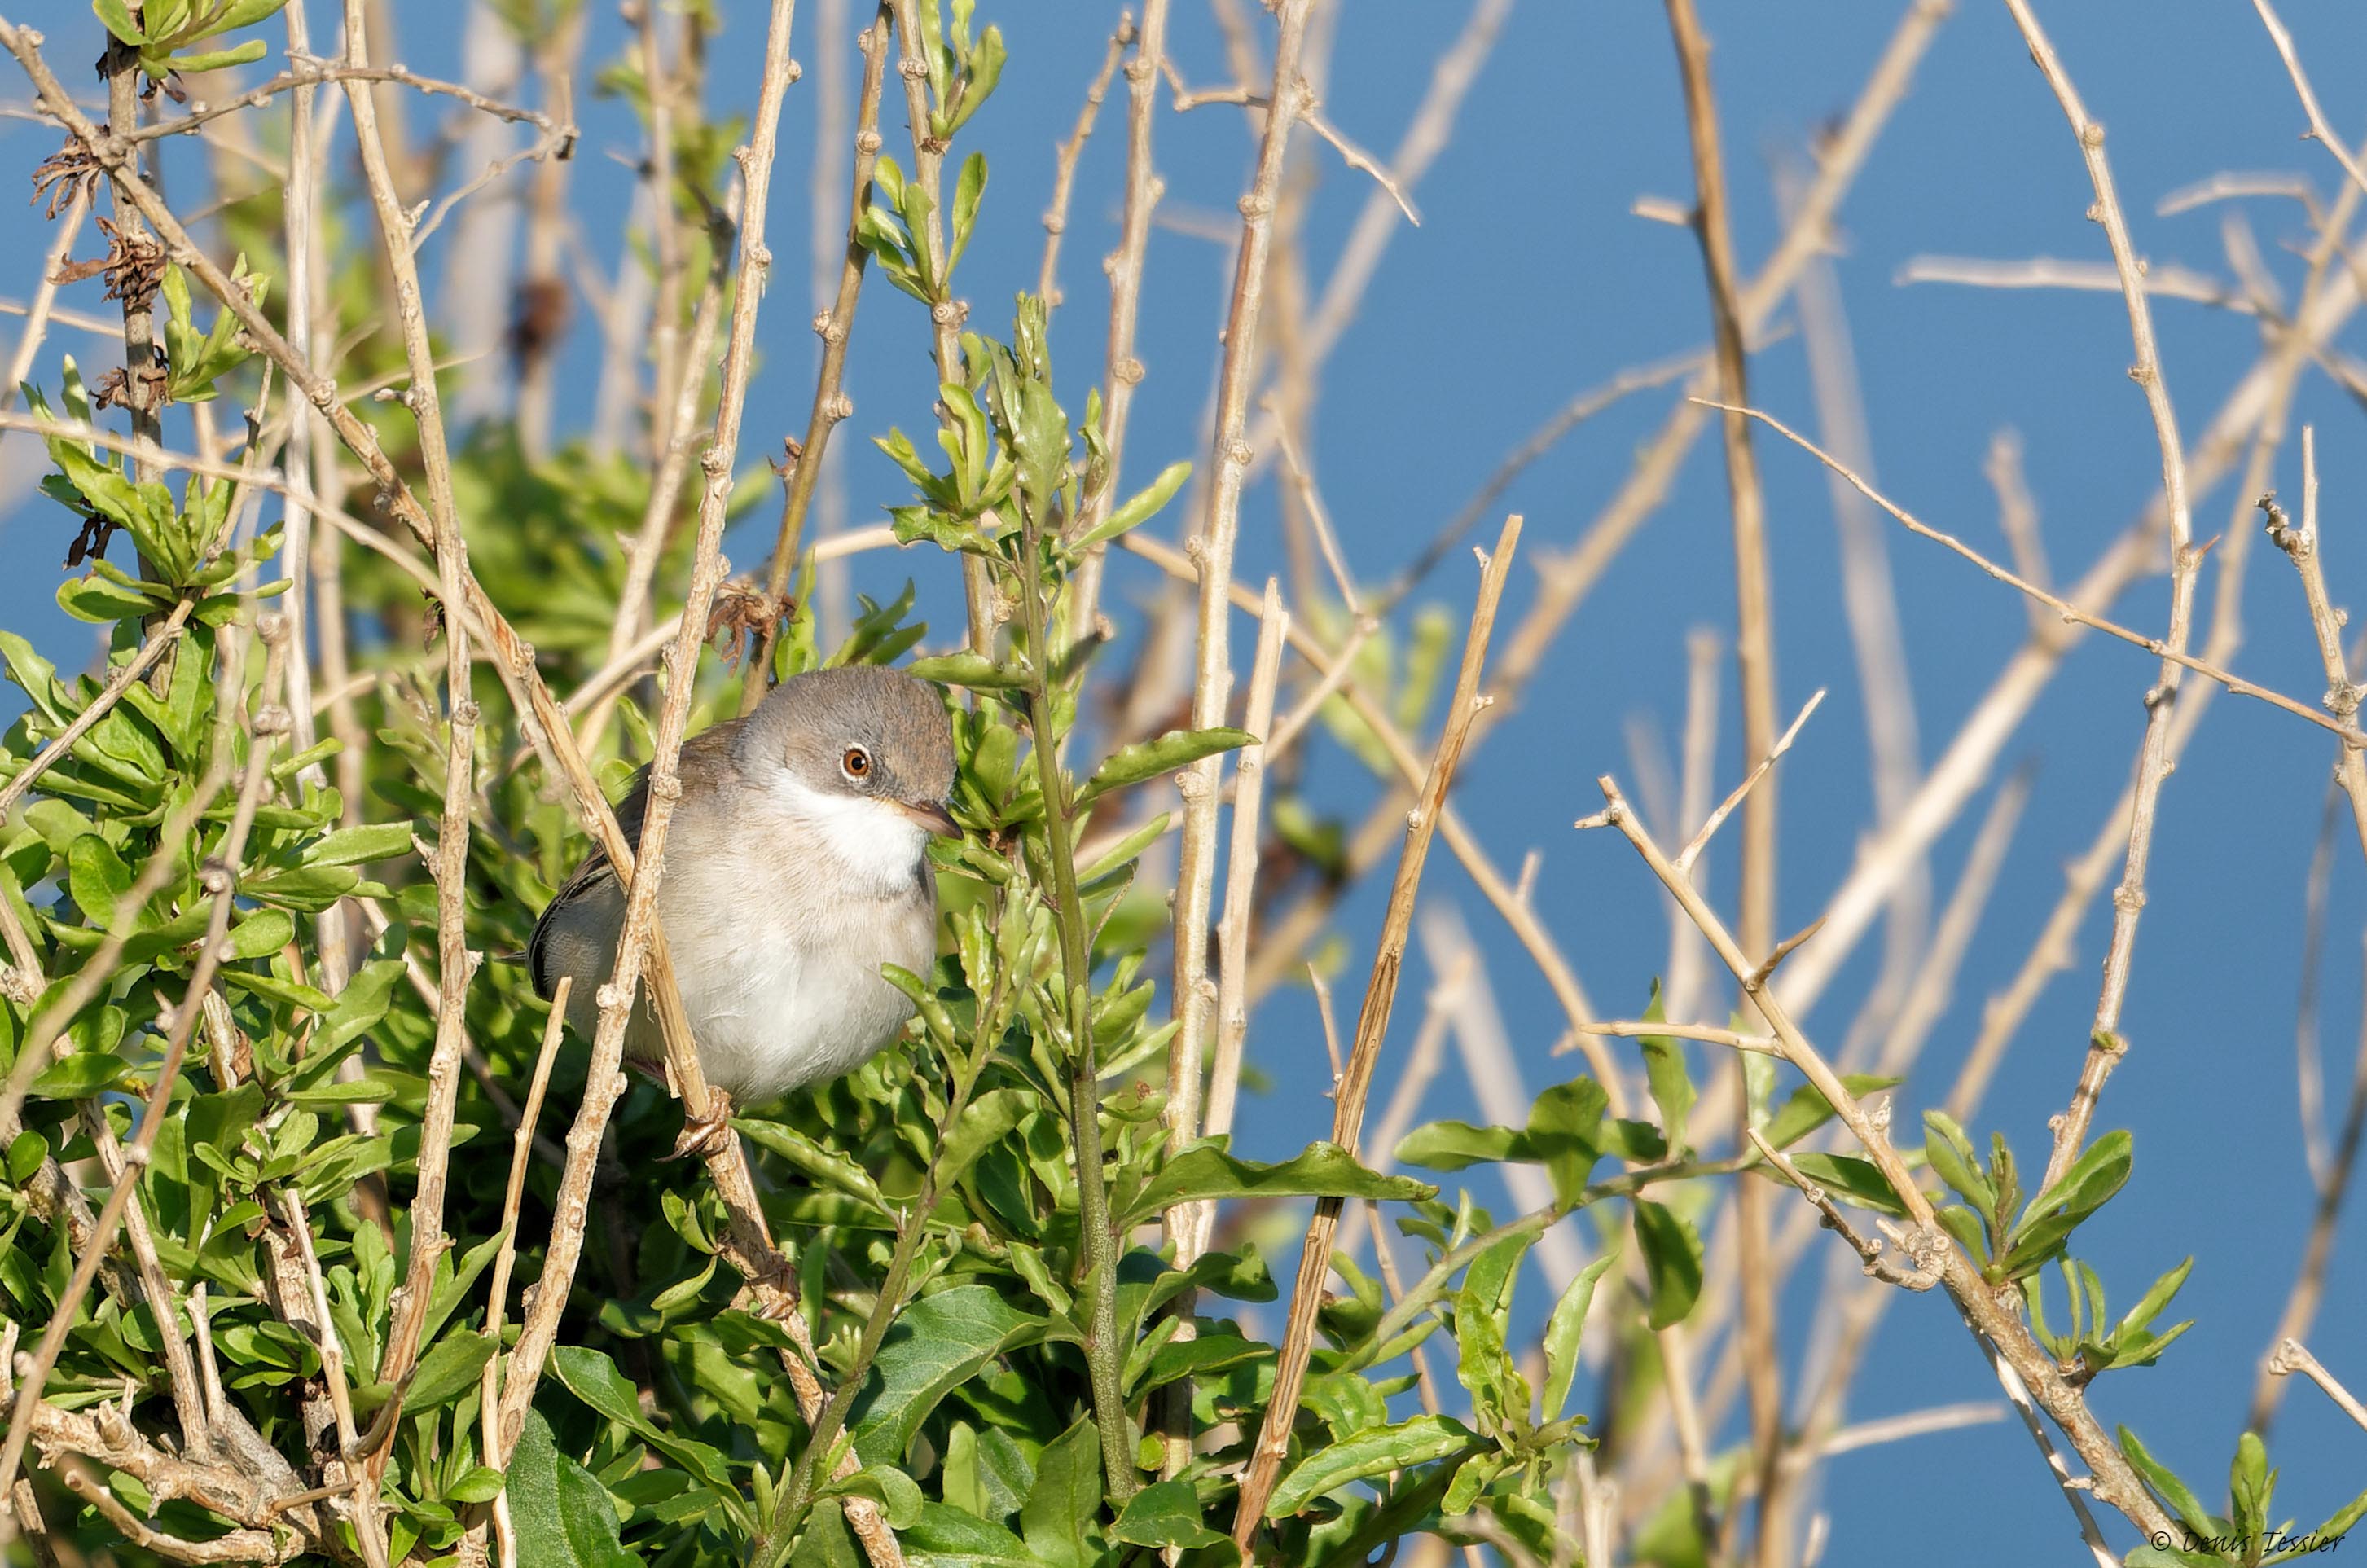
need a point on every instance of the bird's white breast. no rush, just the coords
(778, 938)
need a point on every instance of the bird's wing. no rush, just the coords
(703, 757)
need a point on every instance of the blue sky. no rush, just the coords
(1531, 278)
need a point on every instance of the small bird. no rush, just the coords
(796, 866)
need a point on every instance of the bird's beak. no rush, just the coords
(930, 814)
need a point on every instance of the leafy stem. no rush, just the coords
(1104, 1354)
(781, 1532)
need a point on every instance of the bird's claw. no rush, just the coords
(704, 1135)
(780, 1303)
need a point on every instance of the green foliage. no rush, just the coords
(164, 33)
(972, 1217)
(2011, 1241)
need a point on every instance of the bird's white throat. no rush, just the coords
(873, 843)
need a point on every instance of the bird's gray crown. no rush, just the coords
(856, 730)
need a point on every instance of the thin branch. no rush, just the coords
(2105, 1046)
(1264, 1467)
(267, 719)
(1064, 167)
(945, 315)
(2319, 131)
(2016, 1393)
(522, 1146)
(2167, 281)
(1240, 879)
(43, 309)
(1500, 893)
(2308, 1292)
(2292, 1355)
(831, 404)
(310, 72)
(1914, 1424)
(1992, 1321)
(1708, 829)
(1564, 579)
(1318, 516)
(2236, 186)
(2171, 651)
(2018, 516)
(152, 648)
(1915, 1273)
(673, 433)
(1426, 136)
(2343, 694)
(2251, 406)
(1594, 400)
(1122, 372)
(455, 964)
(1213, 672)
(1708, 1034)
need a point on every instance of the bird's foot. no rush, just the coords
(704, 1135)
(777, 1298)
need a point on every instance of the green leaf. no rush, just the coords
(1149, 760)
(241, 14)
(825, 1166)
(246, 54)
(1807, 1109)
(278, 989)
(564, 1518)
(2149, 1306)
(262, 933)
(2166, 1486)
(898, 1495)
(950, 1538)
(1321, 1170)
(358, 846)
(983, 70)
(1452, 1145)
(78, 1076)
(985, 1122)
(1165, 1513)
(1672, 1262)
(967, 189)
(887, 178)
(360, 1006)
(591, 1377)
(1849, 1178)
(1564, 1133)
(1952, 1159)
(1378, 1451)
(447, 1371)
(1138, 508)
(118, 19)
(1664, 1070)
(2054, 1214)
(1561, 1336)
(1066, 1499)
(937, 1343)
(1482, 1328)
(1204, 1353)
(2334, 1529)
(101, 600)
(95, 877)
(480, 1484)
(975, 671)
(2251, 1484)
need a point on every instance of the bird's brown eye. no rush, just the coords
(856, 762)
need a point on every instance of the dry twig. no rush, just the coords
(1264, 1467)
